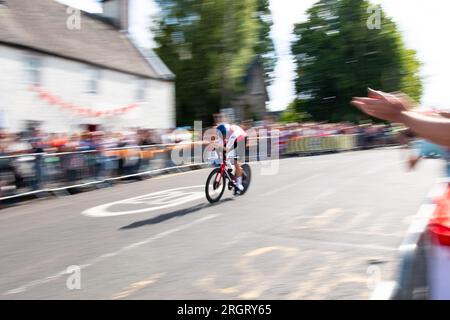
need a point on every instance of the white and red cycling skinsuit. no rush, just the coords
(235, 134)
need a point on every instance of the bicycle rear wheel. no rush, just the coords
(215, 186)
(246, 178)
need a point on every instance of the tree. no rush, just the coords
(292, 113)
(338, 56)
(208, 44)
(265, 46)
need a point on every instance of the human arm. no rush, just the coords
(395, 109)
(435, 129)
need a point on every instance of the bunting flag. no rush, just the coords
(51, 99)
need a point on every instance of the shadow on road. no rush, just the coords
(171, 215)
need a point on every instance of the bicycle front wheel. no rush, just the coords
(215, 186)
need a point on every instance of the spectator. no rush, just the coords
(397, 108)
(72, 163)
(22, 166)
(99, 160)
(6, 171)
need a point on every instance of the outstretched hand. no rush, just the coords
(384, 105)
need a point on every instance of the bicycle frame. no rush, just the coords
(219, 176)
(224, 169)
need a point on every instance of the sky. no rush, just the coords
(423, 24)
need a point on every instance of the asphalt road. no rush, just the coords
(323, 227)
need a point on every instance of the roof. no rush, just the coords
(158, 65)
(41, 25)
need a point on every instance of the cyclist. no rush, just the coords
(232, 134)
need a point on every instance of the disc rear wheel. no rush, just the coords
(246, 178)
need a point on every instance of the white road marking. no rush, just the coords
(323, 195)
(421, 219)
(154, 201)
(339, 244)
(171, 175)
(103, 257)
(291, 185)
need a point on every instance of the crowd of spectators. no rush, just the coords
(71, 157)
(368, 135)
(95, 154)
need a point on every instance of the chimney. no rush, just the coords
(117, 11)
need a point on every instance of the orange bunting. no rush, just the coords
(54, 100)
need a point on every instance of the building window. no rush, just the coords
(141, 87)
(33, 69)
(92, 80)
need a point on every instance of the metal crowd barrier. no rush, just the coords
(37, 173)
(337, 143)
(316, 144)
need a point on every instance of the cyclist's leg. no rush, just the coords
(238, 174)
(237, 166)
(238, 169)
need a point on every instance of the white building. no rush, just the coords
(63, 68)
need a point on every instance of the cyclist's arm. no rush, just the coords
(231, 140)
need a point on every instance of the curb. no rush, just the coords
(411, 282)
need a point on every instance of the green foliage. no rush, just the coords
(209, 45)
(265, 46)
(339, 57)
(292, 113)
